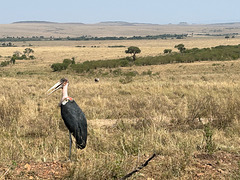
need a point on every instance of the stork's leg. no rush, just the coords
(70, 146)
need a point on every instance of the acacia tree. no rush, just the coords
(180, 47)
(27, 52)
(133, 50)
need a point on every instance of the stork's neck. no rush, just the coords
(64, 92)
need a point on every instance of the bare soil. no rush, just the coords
(220, 165)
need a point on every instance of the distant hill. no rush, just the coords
(108, 23)
(116, 23)
(113, 29)
(123, 23)
(225, 24)
(40, 22)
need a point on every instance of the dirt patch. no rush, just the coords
(220, 165)
(33, 170)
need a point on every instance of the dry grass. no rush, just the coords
(55, 51)
(127, 122)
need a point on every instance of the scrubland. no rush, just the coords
(187, 114)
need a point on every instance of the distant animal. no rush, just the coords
(97, 79)
(72, 115)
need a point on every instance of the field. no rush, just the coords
(186, 114)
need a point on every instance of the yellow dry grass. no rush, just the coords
(56, 51)
(156, 113)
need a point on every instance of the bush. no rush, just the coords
(167, 51)
(59, 66)
(88, 65)
(23, 57)
(131, 73)
(5, 63)
(124, 63)
(219, 53)
(62, 66)
(13, 60)
(210, 146)
(32, 57)
(67, 61)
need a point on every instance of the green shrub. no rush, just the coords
(117, 72)
(59, 66)
(62, 66)
(67, 61)
(131, 73)
(5, 63)
(210, 146)
(124, 63)
(167, 51)
(32, 57)
(13, 60)
(218, 53)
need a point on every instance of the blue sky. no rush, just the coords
(141, 11)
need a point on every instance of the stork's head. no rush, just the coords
(63, 82)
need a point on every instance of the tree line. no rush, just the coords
(218, 53)
(88, 38)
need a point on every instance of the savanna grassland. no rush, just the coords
(185, 113)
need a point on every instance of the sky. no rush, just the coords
(134, 11)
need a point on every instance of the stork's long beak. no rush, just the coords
(55, 88)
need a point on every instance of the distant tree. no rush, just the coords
(17, 53)
(9, 44)
(13, 60)
(133, 50)
(73, 60)
(167, 51)
(27, 52)
(180, 47)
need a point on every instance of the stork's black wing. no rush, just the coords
(75, 121)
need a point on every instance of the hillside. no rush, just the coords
(112, 28)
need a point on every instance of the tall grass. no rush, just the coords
(162, 114)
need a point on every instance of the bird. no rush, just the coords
(96, 79)
(72, 115)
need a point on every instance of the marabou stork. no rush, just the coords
(72, 116)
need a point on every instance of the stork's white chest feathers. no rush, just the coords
(65, 101)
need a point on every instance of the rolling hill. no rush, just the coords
(111, 28)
